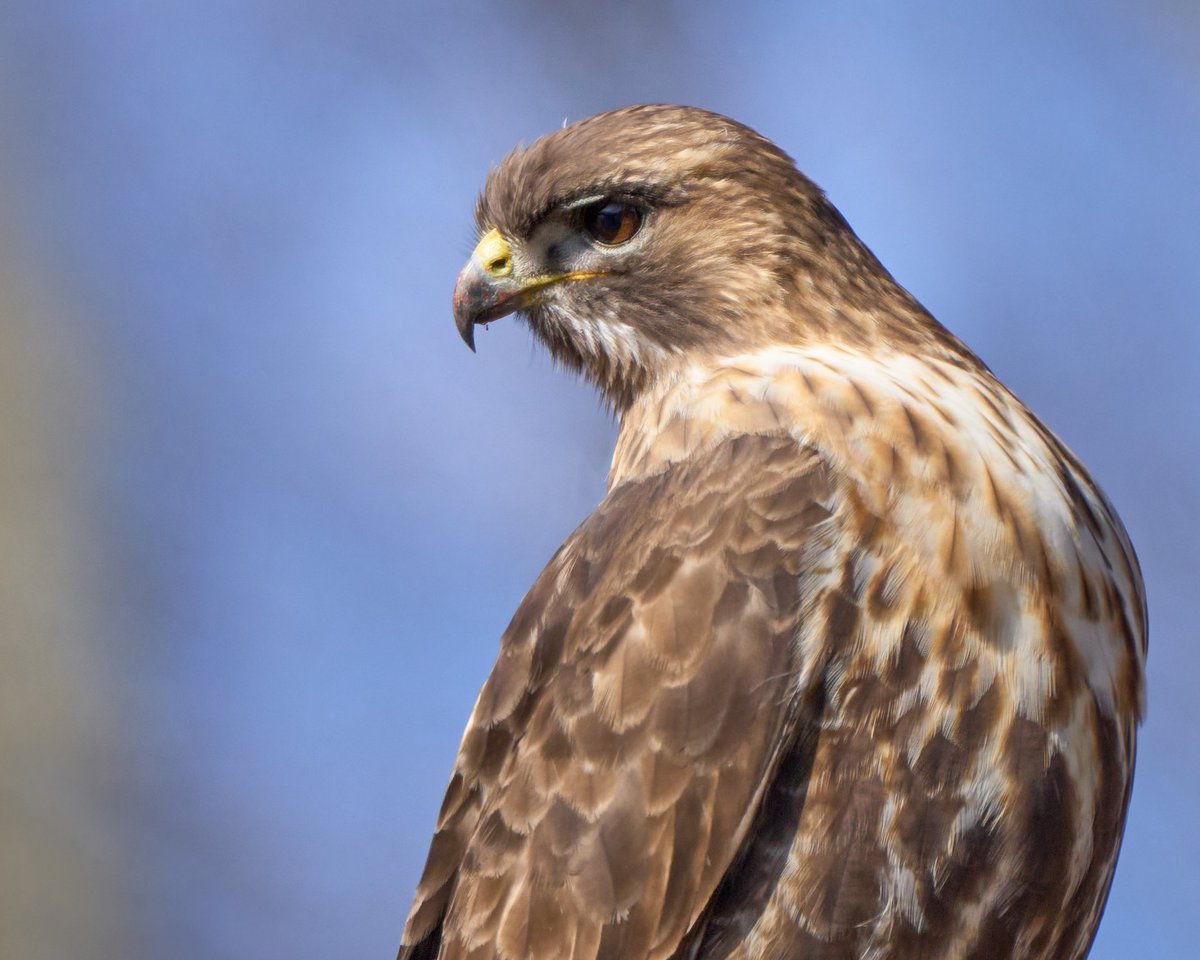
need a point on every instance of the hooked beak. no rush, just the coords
(488, 287)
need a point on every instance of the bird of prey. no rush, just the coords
(848, 662)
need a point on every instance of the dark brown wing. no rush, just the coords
(645, 693)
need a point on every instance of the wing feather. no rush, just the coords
(642, 698)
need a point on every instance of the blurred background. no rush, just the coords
(262, 515)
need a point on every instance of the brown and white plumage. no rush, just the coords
(848, 662)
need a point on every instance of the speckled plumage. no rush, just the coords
(848, 662)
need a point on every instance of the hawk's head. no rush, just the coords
(635, 240)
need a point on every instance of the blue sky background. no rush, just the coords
(312, 510)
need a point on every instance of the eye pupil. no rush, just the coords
(611, 222)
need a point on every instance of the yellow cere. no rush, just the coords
(492, 253)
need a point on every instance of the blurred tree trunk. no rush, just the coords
(63, 870)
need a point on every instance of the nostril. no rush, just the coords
(493, 256)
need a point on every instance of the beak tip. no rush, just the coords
(464, 319)
(467, 332)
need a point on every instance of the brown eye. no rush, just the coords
(611, 222)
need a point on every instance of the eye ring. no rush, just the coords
(612, 222)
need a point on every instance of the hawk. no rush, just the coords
(848, 662)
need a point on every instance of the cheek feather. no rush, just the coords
(594, 340)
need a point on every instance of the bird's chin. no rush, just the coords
(512, 304)
(520, 311)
